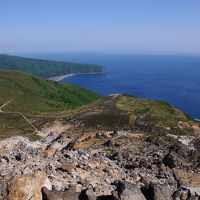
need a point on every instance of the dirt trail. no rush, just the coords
(29, 122)
(3, 106)
(22, 115)
(57, 126)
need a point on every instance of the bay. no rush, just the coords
(171, 78)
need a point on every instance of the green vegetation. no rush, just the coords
(155, 115)
(103, 114)
(129, 112)
(12, 124)
(33, 102)
(32, 95)
(45, 68)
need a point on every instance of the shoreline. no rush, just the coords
(59, 78)
(198, 120)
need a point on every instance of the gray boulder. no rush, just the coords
(157, 192)
(128, 191)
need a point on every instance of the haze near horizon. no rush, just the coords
(120, 26)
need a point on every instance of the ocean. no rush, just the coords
(175, 79)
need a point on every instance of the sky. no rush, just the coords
(100, 25)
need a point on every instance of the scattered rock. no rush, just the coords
(185, 194)
(58, 195)
(170, 160)
(157, 192)
(138, 168)
(108, 143)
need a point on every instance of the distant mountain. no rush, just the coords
(46, 68)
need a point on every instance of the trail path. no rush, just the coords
(22, 115)
(3, 106)
(29, 122)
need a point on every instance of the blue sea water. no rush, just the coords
(175, 79)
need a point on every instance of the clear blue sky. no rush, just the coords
(100, 25)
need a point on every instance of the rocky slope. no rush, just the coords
(67, 163)
(118, 147)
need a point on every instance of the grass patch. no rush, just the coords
(14, 124)
(154, 115)
(142, 111)
(33, 95)
(39, 99)
(31, 135)
(107, 120)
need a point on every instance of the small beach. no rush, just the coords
(59, 78)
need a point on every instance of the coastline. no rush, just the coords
(198, 120)
(59, 78)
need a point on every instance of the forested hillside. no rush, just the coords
(31, 94)
(46, 68)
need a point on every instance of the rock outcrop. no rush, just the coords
(123, 165)
(28, 186)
